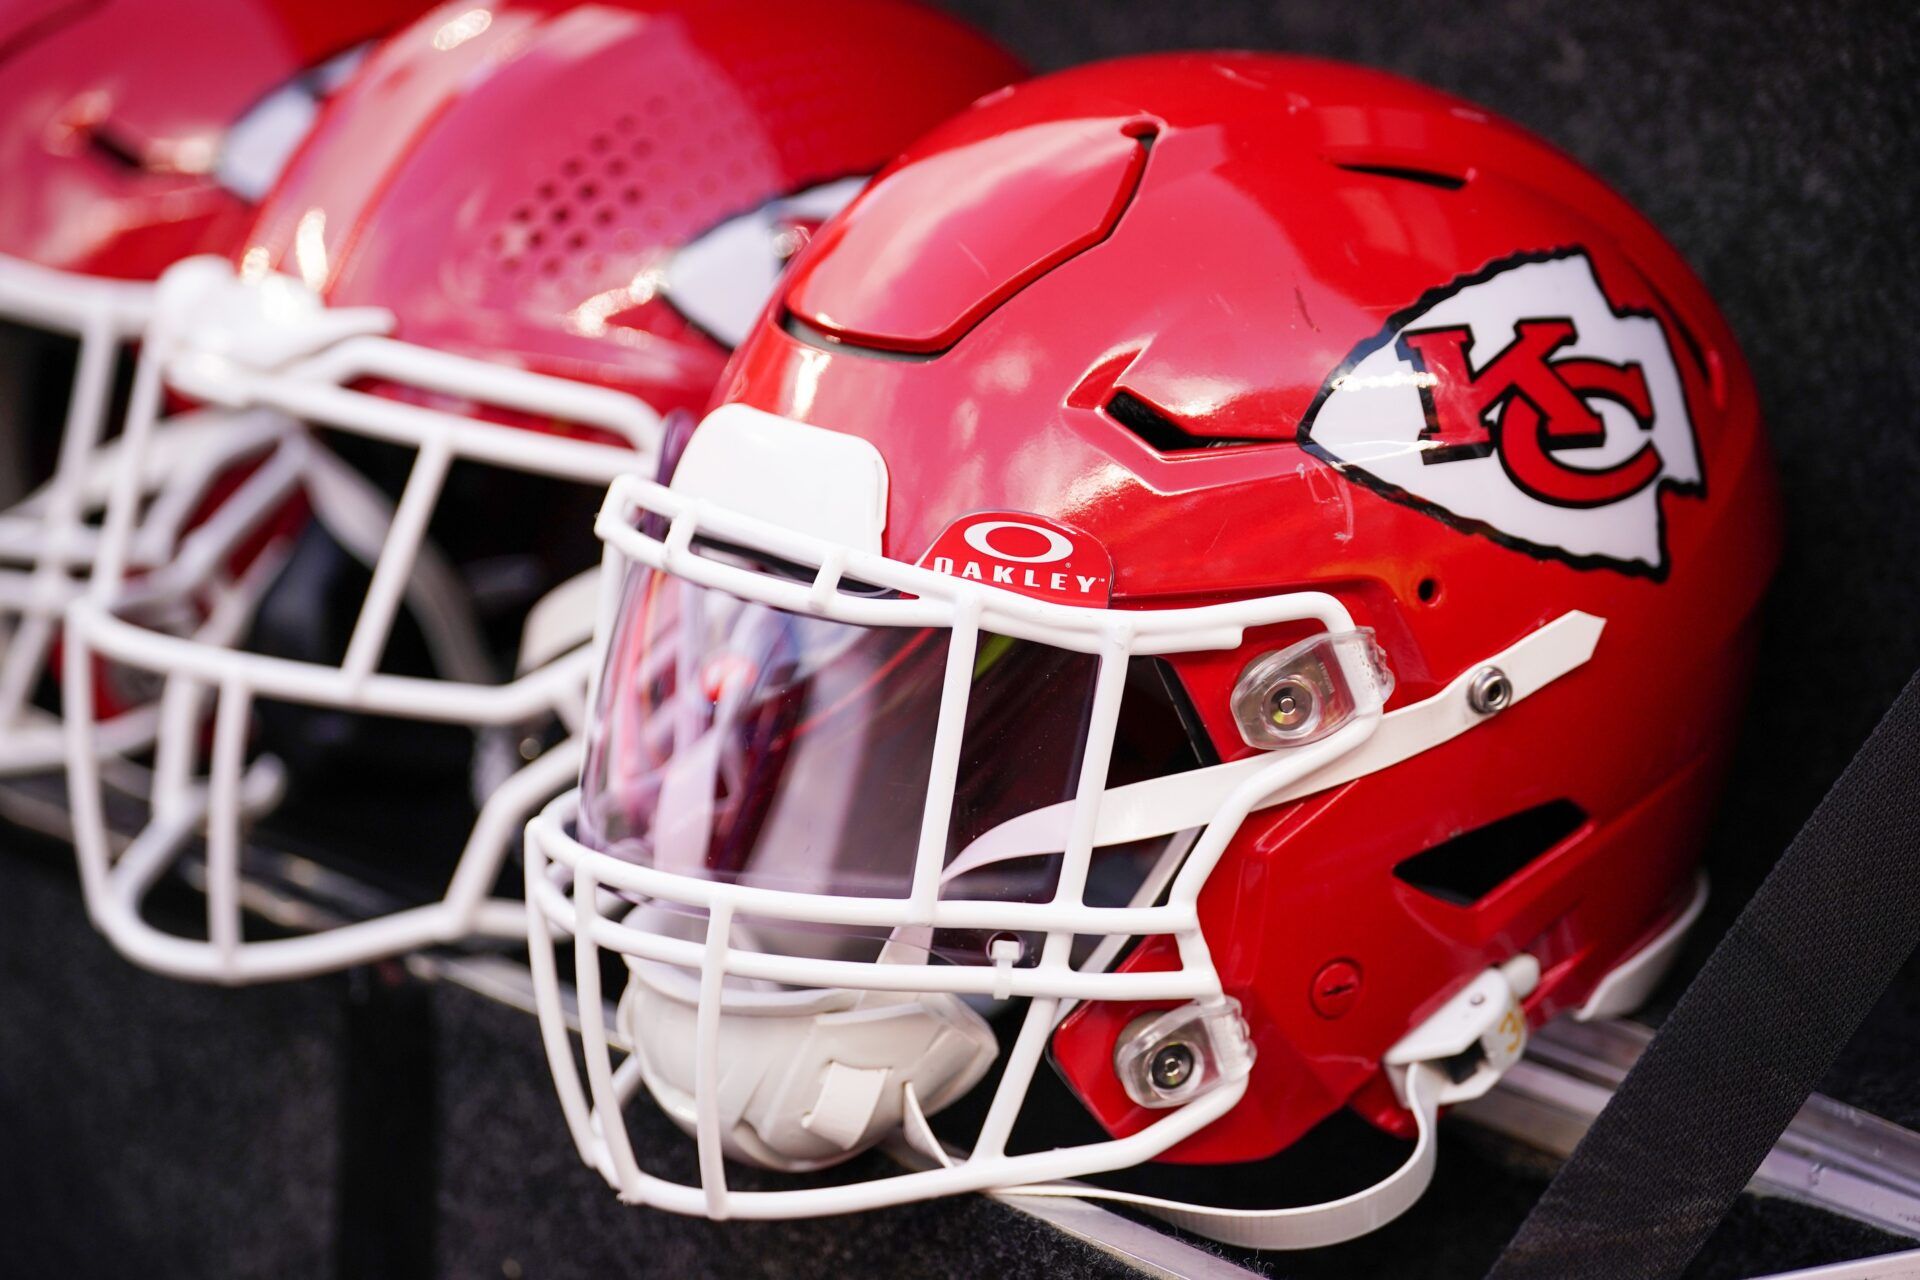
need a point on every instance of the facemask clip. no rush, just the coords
(1307, 691)
(1167, 1059)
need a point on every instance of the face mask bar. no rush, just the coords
(44, 542)
(588, 897)
(601, 886)
(270, 346)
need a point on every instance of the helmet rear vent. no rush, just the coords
(1471, 865)
(587, 208)
(1406, 173)
(1161, 433)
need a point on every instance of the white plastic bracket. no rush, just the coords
(1474, 1037)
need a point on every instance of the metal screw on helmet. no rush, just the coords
(1170, 1057)
(1291, 704)
(1172, 1066)
(1489, 691)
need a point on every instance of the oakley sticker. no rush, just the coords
(1022, 552)
(1521, 404)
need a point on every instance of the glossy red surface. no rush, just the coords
(1275, 230)
(112, 115)
(512, 189)
(957, 260)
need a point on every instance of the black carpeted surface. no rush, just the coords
(149, 1126)
(153, 1128)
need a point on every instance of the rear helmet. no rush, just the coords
(513, 253)
(133, 133)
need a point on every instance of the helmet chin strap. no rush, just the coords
(1455, 1055)
(1308, 1226)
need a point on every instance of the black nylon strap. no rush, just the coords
(1777, 1001)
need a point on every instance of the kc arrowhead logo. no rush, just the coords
(1519, 403)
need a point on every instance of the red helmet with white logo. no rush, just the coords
(519, 243)
(1253, 556)
(133, 133)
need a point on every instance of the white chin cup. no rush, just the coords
(806, 1078)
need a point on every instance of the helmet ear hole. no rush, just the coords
(1471, 865)
(1428, 591)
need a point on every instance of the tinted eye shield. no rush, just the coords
(730, 740)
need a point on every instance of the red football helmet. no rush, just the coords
(1256, 557)
(518, 242)
(133, 133)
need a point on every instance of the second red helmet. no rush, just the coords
(516, 247)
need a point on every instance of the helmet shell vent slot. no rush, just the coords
(1469, 866)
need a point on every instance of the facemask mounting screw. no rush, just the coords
(1172, 1066)
(1290, 704)
(1489, 691)
(1168, 1057)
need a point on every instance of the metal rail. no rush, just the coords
(1833, 1156)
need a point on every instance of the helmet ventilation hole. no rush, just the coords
(579, 217)
(1404, 173)
(1159, 432)
(1471, 865)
